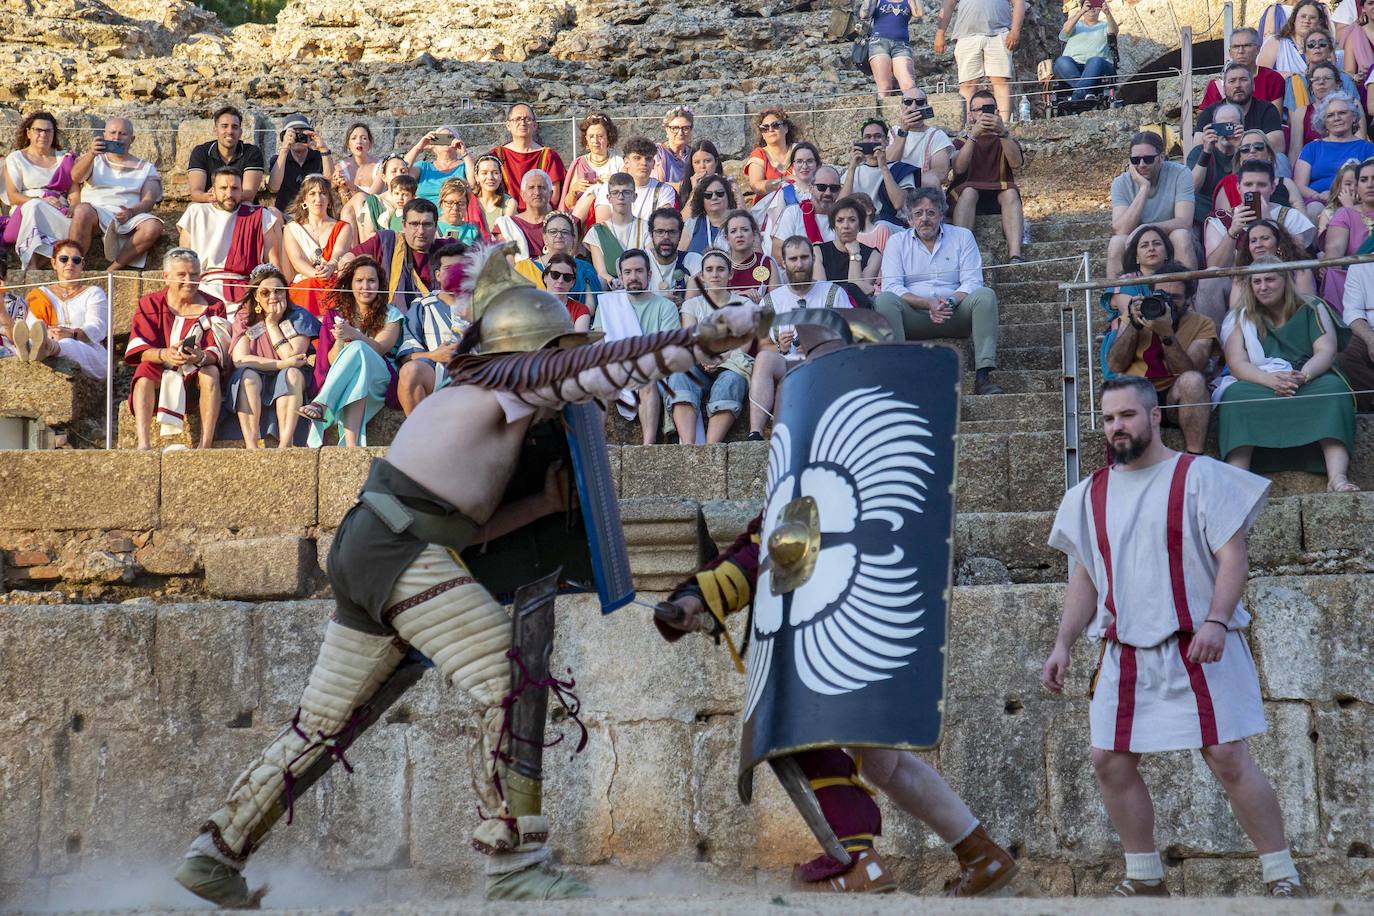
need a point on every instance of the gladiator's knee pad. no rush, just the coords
(350, 668)
(441, 610)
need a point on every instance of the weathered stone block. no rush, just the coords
(102, 675)
(170, 552)
(999, 638)
(650, 796)
(1337, 521)
(664, 538)
(982, 481)
(1277, 535)
(79, 489)
(1344, 736)
(768, 832)
(208, 674)
(746, 470)
(342, 473)
(696, 473)
(21, 768)
(1320, 621)
(269, 489)
(576, 795)
(1035, 480)
(727, 519)
(286, 641)
(54, 392)
(1016, 539)
(270, 567)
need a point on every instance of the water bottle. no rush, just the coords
(1023, 112)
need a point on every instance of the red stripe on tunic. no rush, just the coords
(1175, 543)
(1206, 712)
(1125, 701)
(1097, 492)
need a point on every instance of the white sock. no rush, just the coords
(1279, 865)
(505, 862)
(1144, 866)
(973, 825)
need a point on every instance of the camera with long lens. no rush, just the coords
(1156, 306)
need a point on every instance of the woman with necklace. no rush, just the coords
(592, 168)
(752, 273)
(767, 167)
(728, 383)
(315, 239)
(712, 199)
(66, 318)
(38, 177)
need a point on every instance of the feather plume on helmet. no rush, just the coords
(509, 314)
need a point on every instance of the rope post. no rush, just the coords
(1186, 66)
(1088, 321)
(109, 360)
(1068, 343)
(574, 139)
(1228, 23)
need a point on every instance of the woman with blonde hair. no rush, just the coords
(315, 240)
(1283, 406)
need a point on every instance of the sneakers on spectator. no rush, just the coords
(983, 383)
(1135, 887)
(754, 437)
(21, 339)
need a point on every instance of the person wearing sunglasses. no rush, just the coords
(1255, 113)
(1286, 50)
(1151, 192)
(1253, 145)
(986, 160)
(918, 143)
(811, 221)
(712, 198)
(767, 166)
(560, 237)
(66, 318)
(560, 273)
(870, 171)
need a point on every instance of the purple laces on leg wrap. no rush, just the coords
(341, 739)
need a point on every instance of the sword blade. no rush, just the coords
(798, 787)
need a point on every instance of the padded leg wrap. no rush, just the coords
(350, 668)
(443, 612)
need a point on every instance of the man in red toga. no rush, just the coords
(1159, 564)
(522, 153)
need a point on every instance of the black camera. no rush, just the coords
(1156, 306)
(300, 136)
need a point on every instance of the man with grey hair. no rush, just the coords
(1238, 86)
(118, 192)
(1244, 50)
(933, 285)
(1211, 161)
(178, 336)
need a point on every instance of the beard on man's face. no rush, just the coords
(1127, 448)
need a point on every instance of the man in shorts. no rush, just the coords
(985, 32)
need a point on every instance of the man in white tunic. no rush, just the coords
(1159, 562)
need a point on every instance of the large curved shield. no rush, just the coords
(855, 562)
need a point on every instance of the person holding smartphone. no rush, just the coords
(301, 153)
(1213, 159)
(1086, 60)
(871, 173)
(451, 160)
(917, 142)
(118, 192)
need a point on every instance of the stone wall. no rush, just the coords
(113, 748)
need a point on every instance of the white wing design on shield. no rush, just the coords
(854, 618)
(781, 488)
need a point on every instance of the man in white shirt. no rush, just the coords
(779, 350)
(870, 171)
(118, 194)
(650, 193)
(668, 267)
(916, 143)
(933, 285)
(809, 218)
(231, 238)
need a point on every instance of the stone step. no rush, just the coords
(655, 783)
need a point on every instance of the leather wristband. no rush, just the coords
(1217, 622)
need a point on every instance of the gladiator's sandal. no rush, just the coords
(984, 867)
(350, 668)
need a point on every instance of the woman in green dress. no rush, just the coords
(1286, 408)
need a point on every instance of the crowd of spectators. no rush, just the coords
(307, 291)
